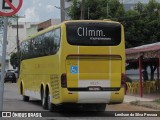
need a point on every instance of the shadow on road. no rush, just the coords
(73, 111)
(35, 102)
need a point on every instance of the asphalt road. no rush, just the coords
(13, 102)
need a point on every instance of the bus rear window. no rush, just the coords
(93, 33)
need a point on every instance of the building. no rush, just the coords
(48, 23)
(25, 29)
(12, 39)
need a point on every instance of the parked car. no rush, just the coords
(10, 76)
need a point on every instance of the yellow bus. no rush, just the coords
(76, 62)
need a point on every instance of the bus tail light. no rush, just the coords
(64, 80)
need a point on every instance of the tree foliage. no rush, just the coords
(14, 59)
(141, 24)
(75, 10)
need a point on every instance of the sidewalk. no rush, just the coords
(129, 98)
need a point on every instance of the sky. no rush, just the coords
(39, 10)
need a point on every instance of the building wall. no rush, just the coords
(55, 21)
(32, 30)
(48, 23)
(24, 29)
(12, 36)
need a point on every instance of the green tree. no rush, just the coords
(14, 60)
(151, 20)
(75, 10)
(97, 9)
(139, 7)
(116, 9)
(133, 28)
(141, 24)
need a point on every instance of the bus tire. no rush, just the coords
(25, 98)
(44, 100)
(50, 105)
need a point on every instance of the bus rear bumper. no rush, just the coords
(92, 96)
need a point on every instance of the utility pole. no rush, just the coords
(65, 13)
(17, 40)
(3, 62)
(17, 35)
(108, 8)
(18, 50)
(82, 9)
(62, 10)
(88, 12)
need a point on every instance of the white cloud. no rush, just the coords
(42, 9)
(50, 8)
(39, 4)
(30, 15)
(36, 1)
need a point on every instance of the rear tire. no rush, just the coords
(14, 81)
(25, 98)
(51, 107)
(44, 100)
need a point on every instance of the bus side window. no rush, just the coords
(52, 42)
(26, 50)
(31, 48)
(22, 50)
(39, 51)
(56, 40)
(47, 43)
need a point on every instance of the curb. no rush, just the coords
(147, 104)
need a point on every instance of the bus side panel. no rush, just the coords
(38, 71)
(118, 96)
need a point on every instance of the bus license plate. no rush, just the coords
(94, 88)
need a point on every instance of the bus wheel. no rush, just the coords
(25, 98)
(44, 100)
(50, 105)
(101, 107)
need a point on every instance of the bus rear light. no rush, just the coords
(64, 80)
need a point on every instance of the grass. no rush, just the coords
(149, 104)
(157, 101)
